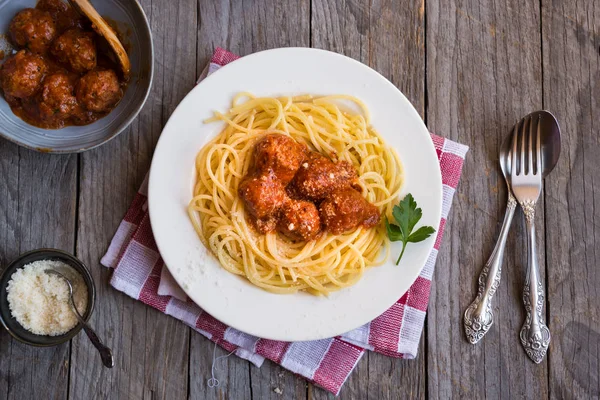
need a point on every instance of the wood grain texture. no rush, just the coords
(483, 75)
(388, 36)
(273, 382)
(245, 27)
(38, 210)
(151, 349)
(472, 68)
(571, 47)
(231, 371)
(9, 239)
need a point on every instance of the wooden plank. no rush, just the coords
(391, 378)
(483, 74)
(38, 210)
(571, 40)
(248, 27)
(9, 239)
(388, 36)
(244, 28)
(231, 372)
(342, 26)
(273, 382)
(151, 349)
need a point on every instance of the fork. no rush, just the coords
(526, 185)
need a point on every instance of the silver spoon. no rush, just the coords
(105, 352)
(478, 316)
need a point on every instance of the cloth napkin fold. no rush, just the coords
(140, 273)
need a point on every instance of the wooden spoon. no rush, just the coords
(102, 28)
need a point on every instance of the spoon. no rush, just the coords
(550, 139)
(105, 352)
(85, 8)
(478, 317)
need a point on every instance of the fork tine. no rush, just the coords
(532, 122)
(513, 166)
(538, 148)
(523, 136)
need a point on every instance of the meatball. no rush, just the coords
(263, 195)
(76, 49)
(345, 209)
(22, 74)
(264, 225)
(57, 99)
(318, 176)
(64, 16)
(32, 29)
(99, 91)
(81, 116)
(280, 153)
(299, 220)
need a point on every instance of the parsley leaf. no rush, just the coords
(407, 214)
(393, 231)
(421, 234)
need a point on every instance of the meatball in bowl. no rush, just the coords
(22, 74)
(55, 102)
(61, 87)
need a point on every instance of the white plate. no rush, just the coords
(231, 299)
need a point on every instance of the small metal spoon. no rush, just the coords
(105, 352)
(478, 316)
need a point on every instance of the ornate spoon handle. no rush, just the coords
(535, 335)
(478, 316)
(105, 352)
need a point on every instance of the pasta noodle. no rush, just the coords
(272, 261)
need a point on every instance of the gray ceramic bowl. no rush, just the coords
(11, 324)
(127, 14)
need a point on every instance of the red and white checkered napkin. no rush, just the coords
(140, 272)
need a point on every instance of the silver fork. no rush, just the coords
(526, 180)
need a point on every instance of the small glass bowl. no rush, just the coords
(11, 324)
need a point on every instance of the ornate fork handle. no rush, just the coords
(478, 316)
(535, 335)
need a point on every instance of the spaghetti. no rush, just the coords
(272, 261)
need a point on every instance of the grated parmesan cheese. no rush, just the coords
(40, 302)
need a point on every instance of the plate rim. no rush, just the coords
(409, 108)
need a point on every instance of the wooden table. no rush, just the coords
(472, 69)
